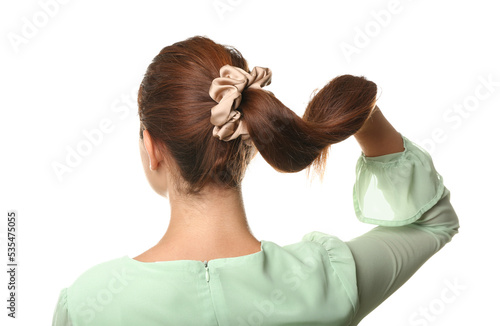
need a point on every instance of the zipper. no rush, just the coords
(207, 275)
(210, 294)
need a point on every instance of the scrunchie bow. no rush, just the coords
(226, 91)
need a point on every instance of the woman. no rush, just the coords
(204, 116)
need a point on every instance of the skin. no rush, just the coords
(378, 137)
(214, 225)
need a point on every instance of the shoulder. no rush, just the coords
(108, 276)
(317, 247)
(336, 249)
(102, 274)
(100, 271)
(96, 287)
(318, 243)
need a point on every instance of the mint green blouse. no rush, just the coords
(320, 280)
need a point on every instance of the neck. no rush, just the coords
(208, 226)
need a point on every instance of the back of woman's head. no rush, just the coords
(175, 108)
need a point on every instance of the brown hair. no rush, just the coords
(174, 106)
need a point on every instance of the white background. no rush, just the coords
(83, 64)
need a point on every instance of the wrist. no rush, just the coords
(378, 137)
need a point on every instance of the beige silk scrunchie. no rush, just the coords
(226, 91)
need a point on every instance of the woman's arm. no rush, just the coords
(378, 137)
(387, 256)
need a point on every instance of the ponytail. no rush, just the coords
(290, 143)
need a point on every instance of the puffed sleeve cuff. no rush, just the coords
(61, 316)
(396, 189)
(342, 262)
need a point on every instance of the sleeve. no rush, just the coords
(396, 189)
(402, 193)
(61, 316)
(342, 262)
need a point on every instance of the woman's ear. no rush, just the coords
(154, 154)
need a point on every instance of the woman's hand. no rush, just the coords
(377, 136)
